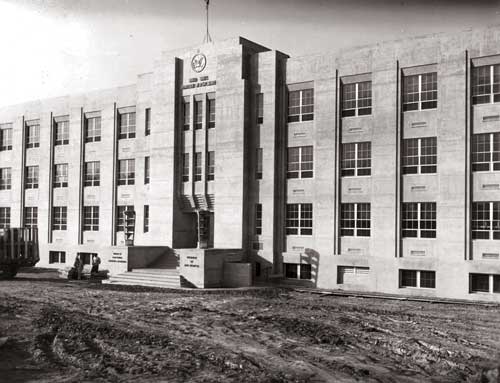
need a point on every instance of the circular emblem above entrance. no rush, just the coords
(198, 62)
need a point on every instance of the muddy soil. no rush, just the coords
(59, 331)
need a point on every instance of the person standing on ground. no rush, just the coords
(96, 261)
(78, 266)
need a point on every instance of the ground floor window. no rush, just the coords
(352, 274)
(484, 283)
(417, 278)
(57, 257)
(299, 218)
(297, 271)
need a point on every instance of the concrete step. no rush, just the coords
(143, 283)
(146, 277)
(172, 271)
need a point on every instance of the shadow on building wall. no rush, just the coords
(311, 257)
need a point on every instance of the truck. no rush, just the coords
(18, 248)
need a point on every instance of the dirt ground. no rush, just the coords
(53, 330)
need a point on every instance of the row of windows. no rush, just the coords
(91, 174)
(424, 279)
(90, 217)
(198, 168)
(30, 217)
(419, 93)
(92, 130)
(198, 113)
(419, 156)
(418, 219)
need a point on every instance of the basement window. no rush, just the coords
(297, 271)
(484, 283)
(417, 278)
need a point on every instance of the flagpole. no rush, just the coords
(208, 38)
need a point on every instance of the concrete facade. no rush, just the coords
(251, 146)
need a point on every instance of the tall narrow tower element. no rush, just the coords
(208, 38)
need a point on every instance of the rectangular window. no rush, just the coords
(300, 162)
(211, 112)
(61, 132)
(31, 181)
(210, 166)
(479, 283)
(31, 217)
(147, 122)
(57, 257)
(146, 170)
(32, 136)
(260, 107)
(146, 219)
(120, 216)
(186, 113)
(299, 219)
(258, 164)
(59, 218)
(485, 84)
(198, 114)
(355, 219)
(127, 125)
(185, 167)
(92, 173)
(357, 99)
(93, 129)
(91, 218)
(420, 155)
(5, 178)
(4, 217)
(486, 152)
(197, 166)
(420, 91)
(5, 137)
(61, 175)
(356, 159)
(297, 271)
(126, 172)
(417, 278)
(258, 219)
(419, 220)
(485, 220)
(301, 105)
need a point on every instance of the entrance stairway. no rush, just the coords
(166, 278)
(161, 273)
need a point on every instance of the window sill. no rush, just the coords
(357, 176)
(419, 110)
(351, 117)
(486, 171)
(299, 122)
(419, 174)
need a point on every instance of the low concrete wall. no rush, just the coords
(120, 259)
(237, 274)
(205, 267)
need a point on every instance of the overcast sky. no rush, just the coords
(56, 47)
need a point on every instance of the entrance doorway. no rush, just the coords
(205, 229)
